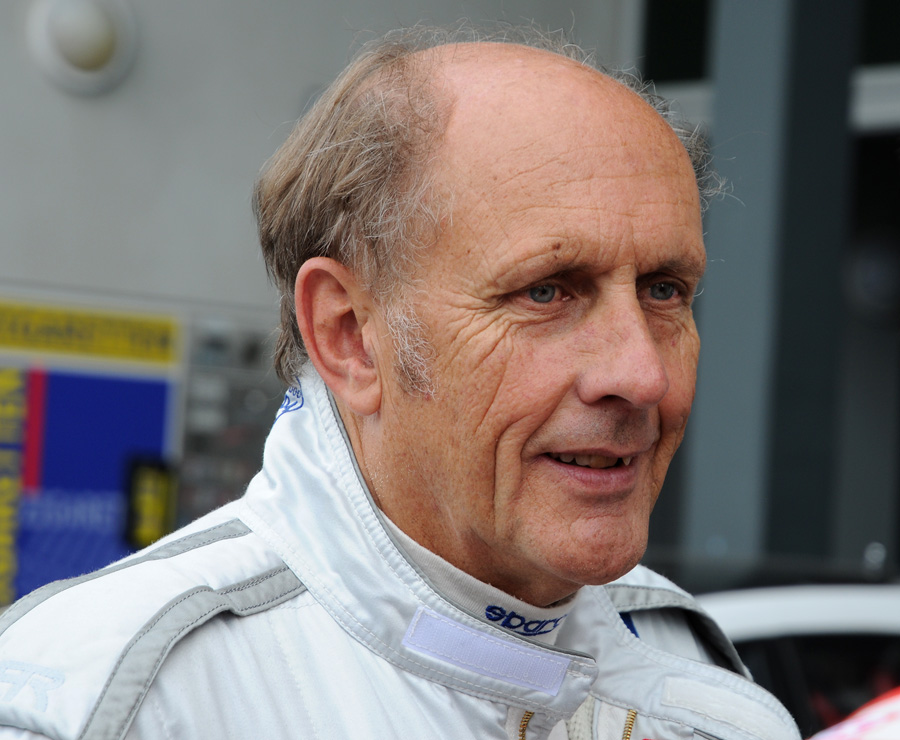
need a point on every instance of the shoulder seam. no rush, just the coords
(141, 660)
(663, 598)
(226, 530)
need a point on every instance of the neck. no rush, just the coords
(382, 460)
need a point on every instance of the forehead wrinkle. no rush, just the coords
(597, 188)
(546, 259)
(575, 164)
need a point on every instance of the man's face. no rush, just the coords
(558, 305)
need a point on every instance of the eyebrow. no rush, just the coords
(678, 266)
(689, 267)
(555, 260)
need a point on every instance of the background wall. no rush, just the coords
(143, 193)
(134, 205)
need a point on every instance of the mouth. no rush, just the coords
(595, 462)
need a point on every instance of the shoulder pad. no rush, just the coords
(643, 590)
(77, 657)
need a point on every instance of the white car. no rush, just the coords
(823, 650)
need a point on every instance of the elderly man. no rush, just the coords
(488, 254)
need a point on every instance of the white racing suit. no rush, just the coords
(293, 613)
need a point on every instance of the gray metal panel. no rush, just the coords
(813, 235)
(727, 448)
(761, 446)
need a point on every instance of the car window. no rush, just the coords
(821, 679)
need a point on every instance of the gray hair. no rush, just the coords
(352, 181)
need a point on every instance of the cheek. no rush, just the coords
(681, 366)
(680, 352)
(487, 377)
(499, 393)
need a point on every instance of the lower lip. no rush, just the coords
(619, 479)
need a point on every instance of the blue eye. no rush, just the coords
(662, 291)
(542, 293)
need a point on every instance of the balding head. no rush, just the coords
(354, 183)
(508, 103)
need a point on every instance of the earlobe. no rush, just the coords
(335, 318)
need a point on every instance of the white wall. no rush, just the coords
(141, 196)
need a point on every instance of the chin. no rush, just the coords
(605, 566)
(602, 576)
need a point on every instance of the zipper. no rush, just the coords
(523, 725)
(629, 724)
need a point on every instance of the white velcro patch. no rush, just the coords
(465, 647)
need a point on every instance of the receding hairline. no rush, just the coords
(447, 62)
(451, 71)
(516, 74)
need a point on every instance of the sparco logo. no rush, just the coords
(293, 400)
(522, 625)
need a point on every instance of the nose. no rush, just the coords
(622, 358)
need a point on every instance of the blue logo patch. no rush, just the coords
(293, 400)
(522, 625)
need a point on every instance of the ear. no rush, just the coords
(335, 318)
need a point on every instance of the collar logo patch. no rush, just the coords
(293, 400)
(519, 624)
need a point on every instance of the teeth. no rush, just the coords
(591, 461)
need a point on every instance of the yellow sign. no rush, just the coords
(12, 416)
(12, 406)
(9, 506)
(80, 332)
(152, 504)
